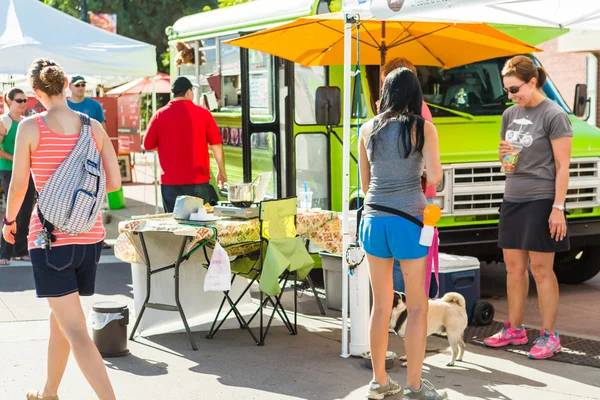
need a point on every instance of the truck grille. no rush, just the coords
(478, 189)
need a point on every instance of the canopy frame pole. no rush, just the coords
(349, 20)
(155, 153)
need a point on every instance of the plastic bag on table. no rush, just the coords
(218, 277)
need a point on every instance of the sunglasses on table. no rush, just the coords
(514, 89)
(21, 101)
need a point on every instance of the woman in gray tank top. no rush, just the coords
(393, 149)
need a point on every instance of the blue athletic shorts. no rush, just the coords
(391, 237)
(63, 270)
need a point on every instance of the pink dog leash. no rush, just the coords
(433, 264)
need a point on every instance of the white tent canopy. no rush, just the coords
(580, 14)
(389, 9)
(30, 29)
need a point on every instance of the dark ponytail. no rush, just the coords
(402, 98)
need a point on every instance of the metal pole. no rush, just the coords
(155, 152)
(84, 11)
(346, 177)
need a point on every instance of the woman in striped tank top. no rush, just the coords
(68, 269)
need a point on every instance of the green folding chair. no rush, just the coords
(282, 253)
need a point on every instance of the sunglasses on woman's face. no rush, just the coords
(21, 101)
(514, 89)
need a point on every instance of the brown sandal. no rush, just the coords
(35, 395)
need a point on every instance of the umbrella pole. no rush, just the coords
(346, 177)
(383, 48)
(154, 153)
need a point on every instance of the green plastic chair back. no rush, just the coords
(285, 251)
(278, 218)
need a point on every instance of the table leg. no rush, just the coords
(312, 286)
(148, 286)
(179, 307)
(163, 307)
(296, 302)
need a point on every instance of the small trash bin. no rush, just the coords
(109, 328)
(332, 277)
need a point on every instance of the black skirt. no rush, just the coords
(524, 226)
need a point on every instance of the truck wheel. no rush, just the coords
(483, 313)
(578, 265)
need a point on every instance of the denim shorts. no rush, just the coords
(391, 237)
(63, 270)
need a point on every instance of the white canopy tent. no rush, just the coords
(30, 29)
(573, 14)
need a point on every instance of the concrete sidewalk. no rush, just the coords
(231, 366)
(306, 366)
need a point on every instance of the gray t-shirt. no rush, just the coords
(534, 128)
(395, 180)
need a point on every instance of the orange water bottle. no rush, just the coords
(431, 215)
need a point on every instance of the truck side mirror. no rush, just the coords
(582, 102)
(327, 106)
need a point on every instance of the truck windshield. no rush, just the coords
(474, 89)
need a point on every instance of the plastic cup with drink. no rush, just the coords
(509, 161)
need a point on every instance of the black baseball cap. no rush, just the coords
(182, 85)
(77, 79)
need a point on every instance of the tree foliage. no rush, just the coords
(228, 3)
(144, 20)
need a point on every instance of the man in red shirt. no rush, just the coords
(181, 132)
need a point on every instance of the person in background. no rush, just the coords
(79, 102)
(181, 132)
(92, 108)
(532, 225)
(430, 191)
(394, 146)
(15, 101)
(67, 270)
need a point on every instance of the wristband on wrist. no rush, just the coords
(559, 207)
(6, 221)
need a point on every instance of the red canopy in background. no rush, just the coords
(143, 86)
(128, 114)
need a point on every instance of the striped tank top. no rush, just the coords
(51, 151)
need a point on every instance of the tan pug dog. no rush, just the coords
(447, 315)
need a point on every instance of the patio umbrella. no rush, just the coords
(143, 86)
(318, 40)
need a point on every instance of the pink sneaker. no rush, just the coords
(507, 336)
(545, 346)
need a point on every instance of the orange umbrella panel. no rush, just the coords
(318, 40)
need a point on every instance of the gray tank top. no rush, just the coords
(395, 180)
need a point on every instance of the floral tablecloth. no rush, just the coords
(322, 228)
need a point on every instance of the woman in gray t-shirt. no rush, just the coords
(532, 224)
